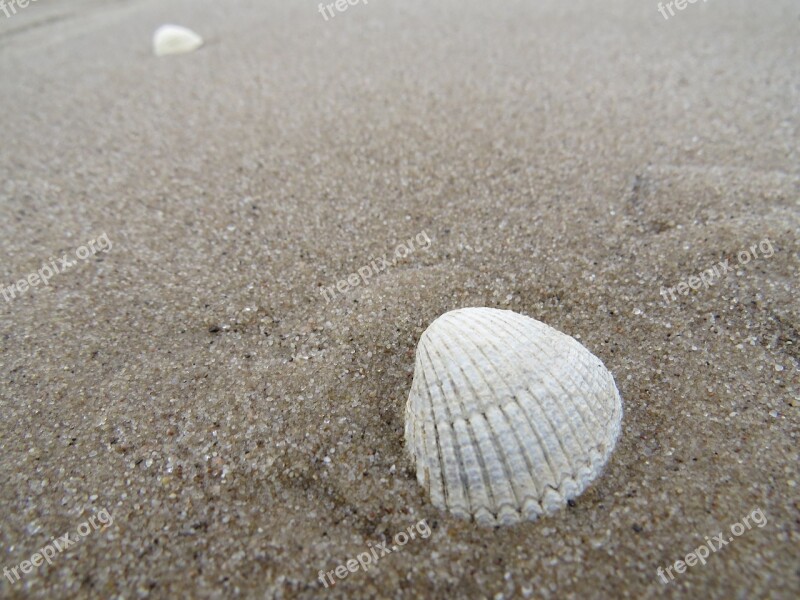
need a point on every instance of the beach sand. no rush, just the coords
(568, 161)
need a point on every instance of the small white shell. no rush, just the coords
(507, 418)
(174, 39)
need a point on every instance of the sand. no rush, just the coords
(567, 161)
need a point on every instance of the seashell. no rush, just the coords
(507, 418)
(174, 39)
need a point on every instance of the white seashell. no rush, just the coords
(174, 39)
(507, 418)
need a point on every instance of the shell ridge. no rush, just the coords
(524, 473)
(478, 490)
(466, 417)
(459, 477)
(497, 468)
(522, 422)
(433, 469)
(583, 353)
(589, 376)
(541, 406)
(591, 423)
(539, 435)
(591, 429)
(497, 450)
(552, 355)
(567, 418)
(556, 475)
(470, 497)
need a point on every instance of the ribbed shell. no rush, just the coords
(507, 418)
